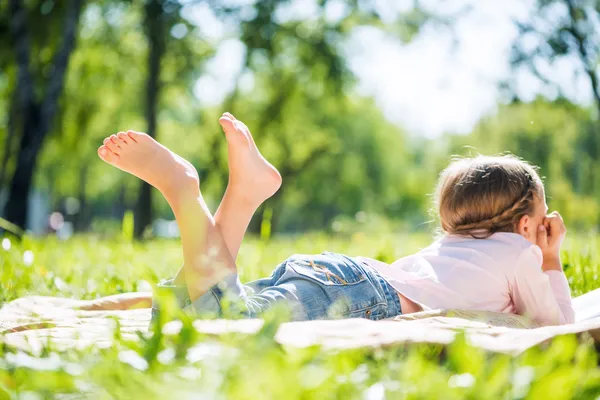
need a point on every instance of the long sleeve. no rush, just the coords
(542, 296)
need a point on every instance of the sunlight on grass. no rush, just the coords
(182, 363)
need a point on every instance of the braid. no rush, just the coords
(505, 221)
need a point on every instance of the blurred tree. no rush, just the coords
(105, 92)
(557, 31)
(7, 94)
(100, 95)
(299, 63)
(139, 62)
(159, 17)
(35, 108)
(366, 167)
(163, 24)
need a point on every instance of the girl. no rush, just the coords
(499, 250)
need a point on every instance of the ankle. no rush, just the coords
(181, 197)
(180, 184)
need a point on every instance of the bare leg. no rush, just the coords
(252, 180)
(206, 257)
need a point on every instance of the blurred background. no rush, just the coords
(358, 103)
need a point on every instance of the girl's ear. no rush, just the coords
(523, 227)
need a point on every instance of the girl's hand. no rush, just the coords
(551, 234)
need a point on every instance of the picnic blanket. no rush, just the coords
(29, 323)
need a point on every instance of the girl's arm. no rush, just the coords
(543, 296)
(540, 288)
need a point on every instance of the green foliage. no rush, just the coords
(556, 31)
(265, 226)
(301, 107)
(340, 159)
(186, 364)
(127, 226)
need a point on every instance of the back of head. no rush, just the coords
(483, 195)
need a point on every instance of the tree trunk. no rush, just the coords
(120, 207)
(37, 117)
(15, 209)
(589, 61)
(143, 213)
(155, 33)
(80, 222)
(11, 136)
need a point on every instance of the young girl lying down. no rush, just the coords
(500, 250)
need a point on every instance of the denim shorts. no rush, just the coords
(321, 286)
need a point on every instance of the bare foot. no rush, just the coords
(142, 156)
(251, 176)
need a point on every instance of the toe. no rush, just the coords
(226, 122)
(137, 136)
(233, 134)
(102, 152)
(229, 127)
(229, 115)
(123, 138)
(106, 155)
(111, 144)
(241, 127)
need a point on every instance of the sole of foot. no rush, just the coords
(140, 155)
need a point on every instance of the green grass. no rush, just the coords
(192, 366)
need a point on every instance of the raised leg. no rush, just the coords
(207, 259)
(252, 180)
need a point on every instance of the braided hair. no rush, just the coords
(484, 195)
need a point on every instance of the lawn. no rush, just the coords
(192, 366)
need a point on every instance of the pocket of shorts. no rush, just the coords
(375, 312)
(327, 269)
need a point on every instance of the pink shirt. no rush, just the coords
(501, 273)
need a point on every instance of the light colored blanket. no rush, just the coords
(29, 323)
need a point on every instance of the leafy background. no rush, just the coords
(135, 65)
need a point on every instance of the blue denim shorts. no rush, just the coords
(321, 286)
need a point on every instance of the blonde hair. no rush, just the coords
(483, 195)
